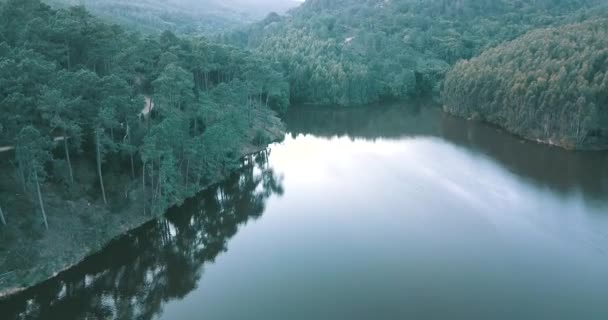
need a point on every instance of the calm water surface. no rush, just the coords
(392, 212)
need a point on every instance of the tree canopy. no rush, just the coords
(178, 109)
(549, 85)
(360, 51)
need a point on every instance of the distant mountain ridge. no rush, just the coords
(182, 16)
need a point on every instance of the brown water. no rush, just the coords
(387, 212)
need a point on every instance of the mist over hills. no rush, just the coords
(182, 16)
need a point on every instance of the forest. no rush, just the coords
(94, 118)
(181, 16)
(550, 85)
(352, 52)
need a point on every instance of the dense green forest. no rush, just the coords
(549, 85)
(181, 16)
(83, 102)
(101, 129)
(352, 52)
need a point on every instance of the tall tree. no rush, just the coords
(173, 88)
(33, 151)
(104, 142)
(60, 114)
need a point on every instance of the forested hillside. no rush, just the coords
(549, 85)
(360, 51)
(182, 16)
(83, 102)
(103, 127)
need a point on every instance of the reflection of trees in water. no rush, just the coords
(370, 122)
(545, 166)
(162, 261)
(559, 169)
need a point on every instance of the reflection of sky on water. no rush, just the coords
(418, 173)
(408, 227)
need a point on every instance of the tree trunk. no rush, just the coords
(197, 178)
(131, 152)
(99, 172)
(2, 219)
(187, 172)
(143, 184)
(156, 192)
(46, 224)
(152, 185)
(155, 188)
(132, 165)
(67, 158)
(160, 196)
(67, 50)
(249, 109)
(182, 157)
(21, 173)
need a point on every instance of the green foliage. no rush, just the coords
(549, 85)
(173, 88)
(351, 52)
(32, 152)
(184, 106)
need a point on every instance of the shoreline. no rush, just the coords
(549, 142)
(122, 222)
(142, 220)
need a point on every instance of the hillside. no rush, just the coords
(351, 52)
(550, 85)
(182, 16)
(65, 73)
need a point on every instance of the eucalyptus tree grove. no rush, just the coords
(73, 91)
(351, 52)
(549, 85)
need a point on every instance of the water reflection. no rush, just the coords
(162, 261)
(555, 168)
(369, 122)
(561, 170)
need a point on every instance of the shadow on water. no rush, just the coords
(135, 275)
(546, 166)
(371, 122)
(560, 170)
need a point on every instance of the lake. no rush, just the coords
(386, 212)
